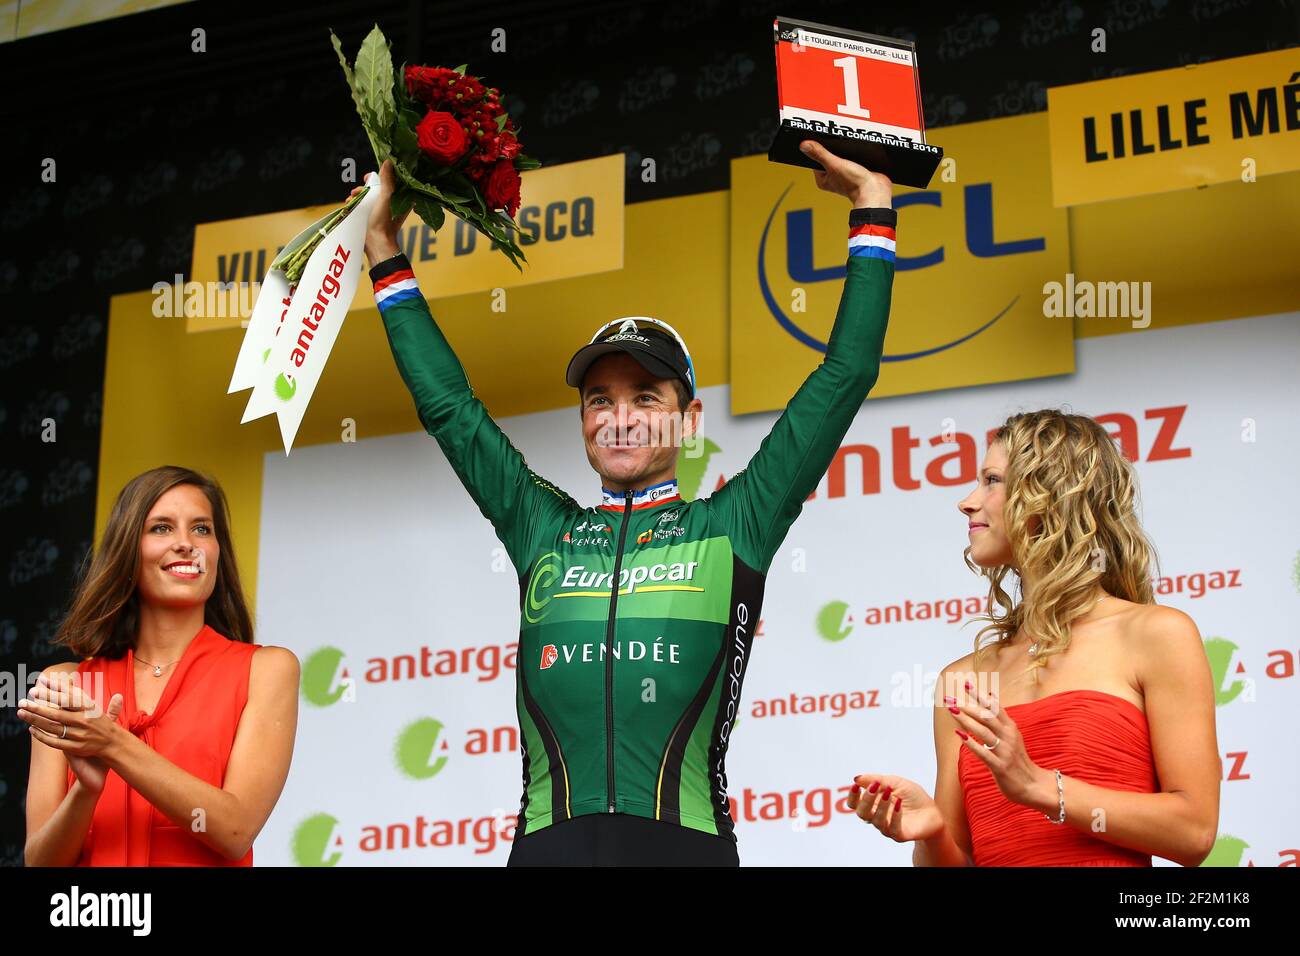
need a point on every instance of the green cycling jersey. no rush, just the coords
(637, 616)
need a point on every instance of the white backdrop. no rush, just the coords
(373, 549)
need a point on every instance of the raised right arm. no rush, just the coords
(520, 504)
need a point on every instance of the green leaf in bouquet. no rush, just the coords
(457, 184)
(403, 200)
(430, 211)
(374, 79)
(512, 253)
(501, 121)
(507, 224)
(343, 62)
(523, 162)
(401, 98)
(375, 109)
(406, 145)
(461, 69)
(380, 137)
(404, 173)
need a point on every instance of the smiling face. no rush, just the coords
(179, 552)
(632, 423)
(989, 545)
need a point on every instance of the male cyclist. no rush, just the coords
(637, 616)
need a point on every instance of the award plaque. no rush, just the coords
(857, 94)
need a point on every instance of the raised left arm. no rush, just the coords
(759, 503)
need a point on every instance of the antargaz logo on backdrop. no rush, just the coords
(1220, 652)
(692, 467)
(420, 750)
(314, 838)
(324, 677)
(834, 623)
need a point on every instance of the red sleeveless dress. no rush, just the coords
(193, 726)
(1086, 734)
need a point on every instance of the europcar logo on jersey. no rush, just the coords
(325, 677)
(551, 581)
(579, 581)
(549, 655)
(538, 600)
(316, 841)
(421, 749)
(1220, 653)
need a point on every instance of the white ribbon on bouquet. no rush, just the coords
(291, 332)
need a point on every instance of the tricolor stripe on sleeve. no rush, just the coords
(874, 242)
(396, 287)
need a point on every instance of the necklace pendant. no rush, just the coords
(157, 671)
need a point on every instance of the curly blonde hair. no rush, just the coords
(1071, 517)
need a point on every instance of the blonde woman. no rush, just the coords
(1082, 733)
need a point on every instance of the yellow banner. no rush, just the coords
(47, 16)
(974, 253)
(1231, 120)
(571, 218)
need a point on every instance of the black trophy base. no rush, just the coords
(904, 161)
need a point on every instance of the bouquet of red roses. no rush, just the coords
(453, 149)
(453, 146)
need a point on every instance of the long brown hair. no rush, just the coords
(105, 611)
(1071, 518)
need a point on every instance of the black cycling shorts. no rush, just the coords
(619, 839)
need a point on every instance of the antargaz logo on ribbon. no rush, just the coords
(285, 386)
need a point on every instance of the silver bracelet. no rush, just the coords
(1060, 795)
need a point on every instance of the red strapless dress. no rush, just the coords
(193, 726)
(1087, 734)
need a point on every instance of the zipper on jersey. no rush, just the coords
(609, 652)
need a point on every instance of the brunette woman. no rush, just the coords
(169, 743)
